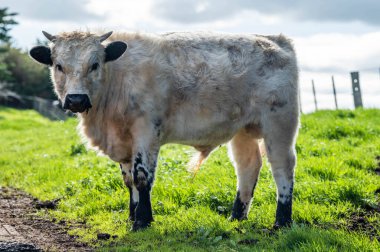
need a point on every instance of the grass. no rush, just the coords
(335, 181)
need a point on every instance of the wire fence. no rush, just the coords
(356, 91)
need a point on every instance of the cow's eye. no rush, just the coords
(94, 66)
(59, 67)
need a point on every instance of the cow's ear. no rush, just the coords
(41, 54)
(114, 50)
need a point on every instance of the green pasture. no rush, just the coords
(336, 185)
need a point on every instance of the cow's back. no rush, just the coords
(224, 81)
(207, 86)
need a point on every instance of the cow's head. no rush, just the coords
(77, 63)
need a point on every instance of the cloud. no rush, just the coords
(337, 53)
(207, 10)
(194, 11)
(50, 11)
(324, 55)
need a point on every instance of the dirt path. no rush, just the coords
(22, 230)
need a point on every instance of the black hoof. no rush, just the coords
(140, 225)
(283, 214)
(131, 218)
(239, 212)
(282, 224)
(237, 218)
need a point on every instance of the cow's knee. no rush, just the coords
(142, 175)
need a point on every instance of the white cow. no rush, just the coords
(198, 89)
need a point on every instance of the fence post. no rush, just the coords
(334, 91)
(356, 89)
(315, 97)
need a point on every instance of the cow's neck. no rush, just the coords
(106, 125)
(111, 102)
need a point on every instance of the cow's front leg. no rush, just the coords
(126, 171)
(145, 152)
(143, 176)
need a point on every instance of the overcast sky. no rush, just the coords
(331, 37)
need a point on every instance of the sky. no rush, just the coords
(332, 37)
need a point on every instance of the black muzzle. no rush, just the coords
(77, 103)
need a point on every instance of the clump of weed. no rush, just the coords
(77, 149)
(345, 114)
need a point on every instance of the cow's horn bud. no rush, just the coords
(49, 36)
(105, 36)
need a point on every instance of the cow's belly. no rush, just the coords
(198, 135)
(196, 129)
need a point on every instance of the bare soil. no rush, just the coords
(359, 222)
(22, 230)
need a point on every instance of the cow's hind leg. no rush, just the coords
(126, 171)
(279, 135)
(245, 153)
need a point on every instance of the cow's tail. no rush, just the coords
(195, 163)
(263, 151)
(197, 160)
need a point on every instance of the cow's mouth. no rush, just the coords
(80, 110)
(77, 103)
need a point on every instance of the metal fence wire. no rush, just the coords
(356, 91)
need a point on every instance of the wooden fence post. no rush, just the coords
(315, 97)
(356, 89)
(334, 91)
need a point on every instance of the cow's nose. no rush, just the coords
(77, 102)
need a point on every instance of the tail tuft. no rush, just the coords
(195, 163)
(197, 160)
(263, 151)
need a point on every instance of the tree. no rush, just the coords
(17, 71)
(28, 78)
(6, 22)
(5, 75)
